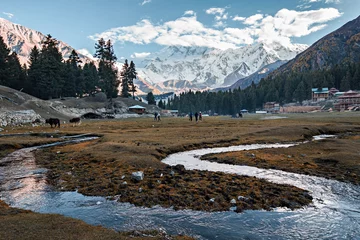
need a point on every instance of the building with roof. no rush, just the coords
(320, 94)
(272, 107)
(137, 109)
(348, 101)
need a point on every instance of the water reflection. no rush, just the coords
(335, 213)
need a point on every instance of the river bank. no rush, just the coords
(336, 158)
(104, 167)
(97, 168)
(23, 224)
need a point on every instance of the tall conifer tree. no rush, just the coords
(131, 77)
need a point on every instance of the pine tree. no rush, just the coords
(108, 73)
(34, 72)
(91, 77)
(150, 98)
(14, 72)
(51, 66)
(131, 75)
(161, 104)
(125, 80)
(4, 57)
(74, 81)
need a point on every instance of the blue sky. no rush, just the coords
(141, 27)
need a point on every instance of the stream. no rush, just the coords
(334, 214)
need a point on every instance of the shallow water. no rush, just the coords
(335, 213)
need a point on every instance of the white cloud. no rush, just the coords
(220, 16)
(145, 2)
(140, 55)
(189, 12)
(253, 19)
(219, 24)
(237, 18)
(9, 15)
(214, 11)
(188, 31)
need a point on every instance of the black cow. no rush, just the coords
(75, 121)
(53, 121)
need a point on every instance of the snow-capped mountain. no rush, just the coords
(21, 40)
(209, 68)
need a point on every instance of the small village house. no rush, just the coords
(333, 92)
(137, 109)
(347, 101)
(272, 107)
(173, 113)
(320, 94)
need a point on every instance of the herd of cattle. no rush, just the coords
(56, 122)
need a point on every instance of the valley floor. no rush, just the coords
(102, 166)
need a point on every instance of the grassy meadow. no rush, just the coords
(100, 167)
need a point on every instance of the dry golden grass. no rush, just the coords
(21, 224)
(128, 145)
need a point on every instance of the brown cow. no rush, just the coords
(53, 121)
(75, 121)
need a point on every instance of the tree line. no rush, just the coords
(48, 75)
(283, 88)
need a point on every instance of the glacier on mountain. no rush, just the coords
(210, 68)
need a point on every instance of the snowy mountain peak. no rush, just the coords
(21, 40)
(210, 68)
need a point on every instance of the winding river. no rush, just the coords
(334, 214)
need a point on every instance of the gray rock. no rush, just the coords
(212, 200)
(140, 190)
(137, 176)
(233, 201)
(124, 183)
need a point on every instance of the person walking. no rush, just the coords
(155, 116)
(190, 116)
(200, 116)
(196, 116)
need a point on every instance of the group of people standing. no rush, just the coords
(197, 115)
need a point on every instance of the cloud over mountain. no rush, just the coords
(189, 31)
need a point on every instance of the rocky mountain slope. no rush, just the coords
(208, 68)
(255, 77)
(340, 46)
(21, 40)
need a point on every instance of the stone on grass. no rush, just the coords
(242, 198)
(233, 201)
(140, 190)
(212, 200)
(137, 176)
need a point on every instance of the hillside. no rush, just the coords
(257, 76)
(338, 47)
(15, 105)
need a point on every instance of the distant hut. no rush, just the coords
(244, 111)
(137, 109)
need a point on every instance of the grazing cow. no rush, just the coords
(53, 121)
(75, 121)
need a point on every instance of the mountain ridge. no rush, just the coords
(345, 47)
